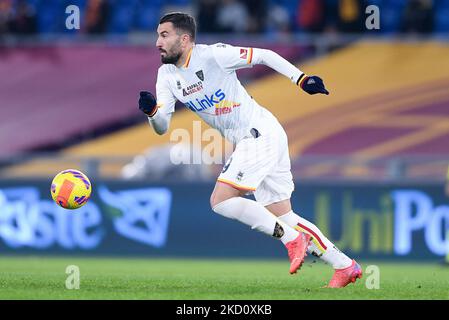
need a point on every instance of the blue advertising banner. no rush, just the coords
(130, 218)
(384, 221)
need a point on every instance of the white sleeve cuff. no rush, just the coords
(160, 121)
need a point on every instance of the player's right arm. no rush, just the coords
(159, 111)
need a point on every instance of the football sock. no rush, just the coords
(320, 246)
(257, 217)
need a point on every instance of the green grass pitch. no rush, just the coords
(182, 279)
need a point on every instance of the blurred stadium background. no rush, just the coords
(370, 161)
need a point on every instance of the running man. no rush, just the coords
(203, 78)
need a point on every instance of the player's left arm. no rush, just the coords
(310, 84)
(231, 58)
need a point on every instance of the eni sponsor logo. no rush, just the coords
(397, 222)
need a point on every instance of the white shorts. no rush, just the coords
(261, 166)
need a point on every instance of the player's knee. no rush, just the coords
(222, 193)
(216, 198)
(212, 201)
(228, 208)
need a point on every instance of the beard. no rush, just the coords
(171, 59)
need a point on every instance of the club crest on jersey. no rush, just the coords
(200, 75)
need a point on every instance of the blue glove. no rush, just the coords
(147, 103)
(312, 85)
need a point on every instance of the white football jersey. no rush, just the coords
(207, 84)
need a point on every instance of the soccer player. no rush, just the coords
(203, 78)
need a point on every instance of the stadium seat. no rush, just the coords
(375, 2)
(156, 3)
(147, 17)
(390, 17)
(292, 7)
(34, 3)
(80, 3)
(50, 16)
(178, 2)
(442, 20)
(122, 16)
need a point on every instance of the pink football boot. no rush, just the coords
(297, 251)
(343, 277)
